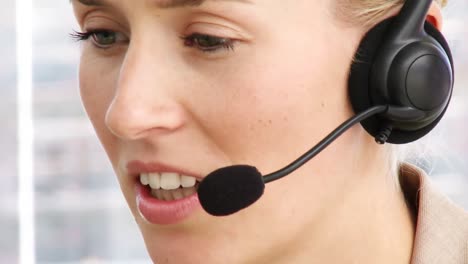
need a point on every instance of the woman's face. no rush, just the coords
(196, 87)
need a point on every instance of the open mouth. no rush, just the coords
(169, 186)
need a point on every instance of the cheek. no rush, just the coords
(97, 84)
(272, 102)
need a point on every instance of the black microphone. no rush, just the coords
(230, 189)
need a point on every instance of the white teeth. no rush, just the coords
(171, 195)
(170, 180)
(144, 179)
(154, 180)
(167, 181)
(166, 195)
(177, 194)
(157, 193)
(188, 191)
(187, 181)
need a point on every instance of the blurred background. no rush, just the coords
(81, 216)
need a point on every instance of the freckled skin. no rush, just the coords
(279, 92)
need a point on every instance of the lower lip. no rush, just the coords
(165, 212)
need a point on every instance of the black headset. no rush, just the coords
(403, 62)
(400, 85)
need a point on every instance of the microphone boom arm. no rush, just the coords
(325, 142)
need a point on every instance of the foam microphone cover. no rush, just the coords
(230, 189)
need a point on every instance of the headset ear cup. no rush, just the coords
(359, 78)
(359, 88)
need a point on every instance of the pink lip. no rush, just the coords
(157, 211)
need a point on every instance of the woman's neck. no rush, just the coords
(369, 223)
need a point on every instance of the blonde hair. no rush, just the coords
(368, 12)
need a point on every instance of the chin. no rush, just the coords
(173, 249)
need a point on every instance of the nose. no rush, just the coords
(144, 100)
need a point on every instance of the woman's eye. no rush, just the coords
(104, 38)
(207, 43)
(101, 38)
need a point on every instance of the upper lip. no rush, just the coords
(136, 167)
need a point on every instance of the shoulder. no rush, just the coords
(442, 226)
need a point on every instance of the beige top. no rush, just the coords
(442, 227)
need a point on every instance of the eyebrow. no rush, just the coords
(159, 3)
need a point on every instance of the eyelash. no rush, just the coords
(85, 36)
(80, 36)
(192, 40)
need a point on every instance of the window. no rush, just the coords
(8, 153)
(80, 211)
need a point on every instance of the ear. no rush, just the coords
(434, 16)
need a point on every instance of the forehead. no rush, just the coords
(157, 3)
